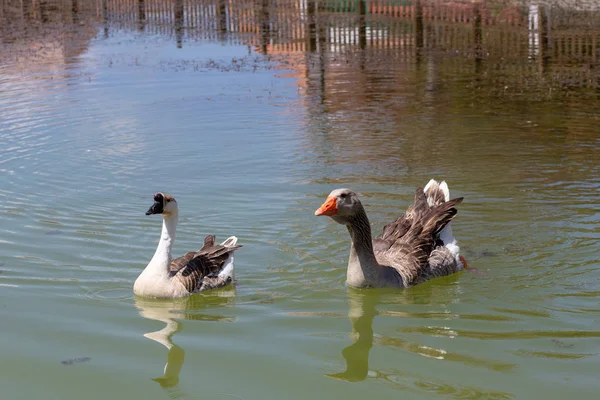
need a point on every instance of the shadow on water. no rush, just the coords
(172, 312)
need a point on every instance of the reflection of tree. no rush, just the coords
(171, 312)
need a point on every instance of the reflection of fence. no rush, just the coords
(445, 25)
(474, 29)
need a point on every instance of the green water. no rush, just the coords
(98, 113)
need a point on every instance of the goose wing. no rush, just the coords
(441, 262)
(396, 230)
(192, 268)
(407, 243)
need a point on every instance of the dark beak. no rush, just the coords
(156, 208)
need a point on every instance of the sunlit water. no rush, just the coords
(95, 118)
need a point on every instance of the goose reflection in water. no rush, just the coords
(172, 312)
(362, 309)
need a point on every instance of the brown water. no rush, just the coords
(250, 113)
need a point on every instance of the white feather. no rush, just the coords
(227, 270)
(230, 241)
(429, 184)
(444, 188)
(446, 235)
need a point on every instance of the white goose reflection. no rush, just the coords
(172, 312)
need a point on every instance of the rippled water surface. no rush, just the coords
(249, 113)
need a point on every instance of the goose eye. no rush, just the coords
(344, 195)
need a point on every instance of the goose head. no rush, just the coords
(164, 204)
(341, 205)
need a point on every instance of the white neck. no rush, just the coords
(159, 265)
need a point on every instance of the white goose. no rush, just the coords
(208, 268)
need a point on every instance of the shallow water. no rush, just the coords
(250, 128)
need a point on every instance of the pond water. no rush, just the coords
(250, 126)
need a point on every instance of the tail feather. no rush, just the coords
(227, 272)
(230, 241)
(438, 194)
(429, 184)
(435, 192)
(439, 217)
(445, 190)
(209, 241)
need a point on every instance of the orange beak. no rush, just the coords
(328, 208)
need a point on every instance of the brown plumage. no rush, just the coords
(410, 250)
(410, 242)
(198, 270)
